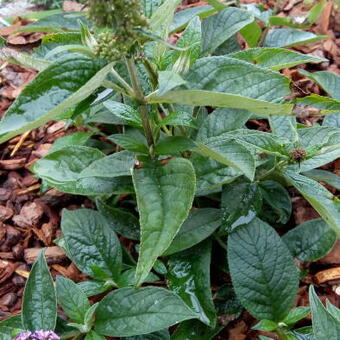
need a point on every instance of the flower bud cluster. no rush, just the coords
(121, 18)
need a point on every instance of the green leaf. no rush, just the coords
(255, 141)
(189, 277)
(77, 138)
(296, 314)
(125, 112)
(91, 287)
(121, 221)
(229, 152)
(225, 74)
(326, 105)
(191, 38)
(329, 81)
(266, 326)
(319, 136)
(285, 127)
(128, 142)
(210, 77)
(160, 335)
(59, 22)
(332, 120)
(289, 37)
(193, 330)
(199, 225)
(324, 176)
(65, 164)
(220, 121)
(51, 41)
(115, 165)
(325, 325)
(168, 80)
(218, 99)
(181, 18)
(310, 240)
(278, 198)
(275, 58)
(263, 272)
(92, 335)
(324, 202)
(91, 243)
(251, 33)
(39, 304)
(72, 299)
(315, 12)
(221, 26)
(128, 278)
(289, 21)
(23, 59)
(164, 198)
(179, 118)
(150, 6)
(333, 310)
(161, 19)
(131, 311)
(61, 170)
(10, 327)
(241, 202)
(62, 85)
(211, 175)
(171, 145)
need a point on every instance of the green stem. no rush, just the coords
(281, 335)
(137, 90)
(121, 80)
(152, 73)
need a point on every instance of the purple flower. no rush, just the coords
(37, 335)
(23, 336)
(44, 335)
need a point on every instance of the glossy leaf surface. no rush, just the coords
(164, 198)
(263, 272)
(131, 311)
(39, 305)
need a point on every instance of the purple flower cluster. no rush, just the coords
(37, 335)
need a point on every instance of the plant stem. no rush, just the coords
(121, 80)
(281, 335)
(137, 90)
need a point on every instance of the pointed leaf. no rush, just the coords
(275, 58)
(125, 112)
(72, 299)
(199, 225)
(220, 121)
(310, 240)
(194, 330)
(229, 152)
(168, 80)
(91, 243)
(263, 272)
(324, 202)
(325, 325)
(115, 165)
(39, 305)
(288, 37)
(221, 26)
(62, 85)
(139, 311)
(189, 276)
(164, 198)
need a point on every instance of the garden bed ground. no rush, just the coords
(30, 221)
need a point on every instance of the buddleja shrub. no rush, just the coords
(197, 181)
